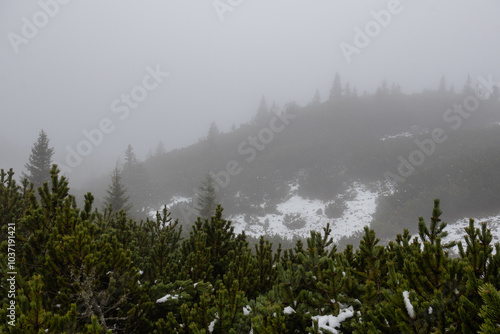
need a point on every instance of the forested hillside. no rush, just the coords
(249, 167)
(83, 270)
(326, 151)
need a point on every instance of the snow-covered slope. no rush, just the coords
(456, 230)
(357, 214)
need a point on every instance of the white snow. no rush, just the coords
(246, 310)
(288, 310)
(358, 213)
(166, 297)
(175, 200)
(456, 230)
(402, 134)
(294, 187)
(408, 305)
(212, 324)
(330, 322)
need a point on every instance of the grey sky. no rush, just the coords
(65, 78)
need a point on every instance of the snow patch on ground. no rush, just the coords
(456, 230)
(403, 134)
(358, 213)
(175, 200)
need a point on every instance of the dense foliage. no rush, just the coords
(80, 270)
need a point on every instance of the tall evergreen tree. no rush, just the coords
(130, 158)
(160, 149)
(468, 89)
(262, 114)
(40, 161)
(395, 89)
(117, 198)
(213, 134)
(337, 90)
(383, 90)
(442, 85)
(316, 100)
(347, 91)
(207, 198)
(136, 180)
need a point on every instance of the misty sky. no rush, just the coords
(66, 78)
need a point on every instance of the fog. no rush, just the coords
(204, 61)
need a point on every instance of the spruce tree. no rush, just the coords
(316, 100)
(262, 115)
(337, 90)
(212, 137)
(383, 90)
(136, 180)
(117, 198)
(160, 150)
(130, 158)
(207, 198)
(347, 91)
(442, 85)
(40, 161)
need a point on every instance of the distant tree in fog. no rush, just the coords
(468, 89)
(316, 100)
(40, 160)
(213, 134)
(337, 90)
(262, 115)
(207, 198)
(442, 85)
(136, 180)
(160, 149)
(347, 91)
(383, 90)
(117, 198)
